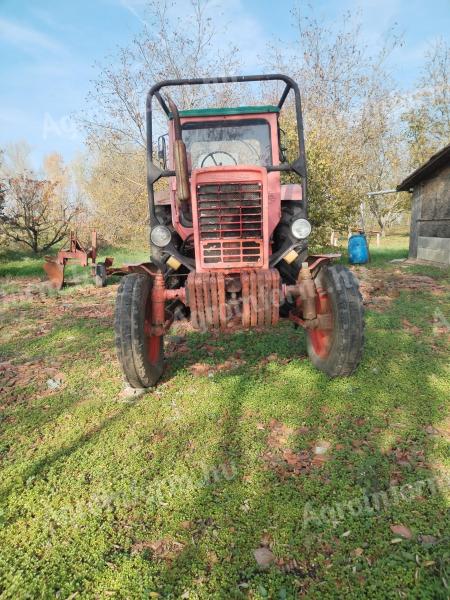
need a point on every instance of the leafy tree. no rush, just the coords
(350, 110)
(116, 185)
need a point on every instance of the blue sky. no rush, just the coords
(49, 49)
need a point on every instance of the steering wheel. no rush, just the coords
(211, 154)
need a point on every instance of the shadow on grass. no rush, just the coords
(384, 407)
(383, 411)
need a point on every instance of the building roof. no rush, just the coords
(237, 110)
(436, 162)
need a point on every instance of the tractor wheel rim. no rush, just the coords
(321, 339)
(153, 341)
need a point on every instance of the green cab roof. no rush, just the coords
(237, 110)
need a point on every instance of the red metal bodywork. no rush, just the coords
(273, 179)
(231, 248)
(232, 285)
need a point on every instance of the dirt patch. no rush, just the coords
(286, 462)
(379, 288)
(202, 369)
(97, 310)
(165, 549)
(13, 377)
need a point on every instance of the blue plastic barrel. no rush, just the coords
(358, 250)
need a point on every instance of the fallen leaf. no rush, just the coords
(199, 369)
(165, 548)
(279, 434)
(302, 430)
(402, 531)
(264, 557)
(431, 430)
(428, 540)
(358, 552)
(319, 459)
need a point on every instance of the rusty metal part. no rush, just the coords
(312, 309)
(322, 321)
(180, 159)
(158, 305)
(54, 265)
(175, 294)
(144, 268)
(318, 259)
(55, 272)
(307, 293)
(255, 304)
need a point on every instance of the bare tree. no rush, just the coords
(170, 46)
(428, 121)
(32, 215)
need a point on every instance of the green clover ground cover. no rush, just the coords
(243, 446)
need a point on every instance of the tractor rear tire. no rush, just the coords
(140, 354)
(337, 350)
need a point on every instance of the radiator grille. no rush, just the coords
(230, 223)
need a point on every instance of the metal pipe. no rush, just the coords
(181, 165)
(382, 192)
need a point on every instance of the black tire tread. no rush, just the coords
(129, 332)
(348, 341)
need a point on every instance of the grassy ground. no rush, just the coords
(339, 486)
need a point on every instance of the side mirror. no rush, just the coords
(162, 150)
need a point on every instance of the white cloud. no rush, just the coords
(26, 37)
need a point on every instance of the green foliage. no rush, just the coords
(332, 203)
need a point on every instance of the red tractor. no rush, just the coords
(229, 241)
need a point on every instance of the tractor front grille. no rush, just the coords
(230, 224)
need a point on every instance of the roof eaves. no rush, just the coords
(438, 160)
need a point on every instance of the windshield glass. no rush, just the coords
(228, 143)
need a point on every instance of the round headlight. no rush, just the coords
(301, 228)
(160, 236)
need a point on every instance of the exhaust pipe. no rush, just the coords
(181, 166)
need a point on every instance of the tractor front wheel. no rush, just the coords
(337, 347)
(140, 354)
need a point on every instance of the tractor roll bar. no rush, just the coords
(154, 172)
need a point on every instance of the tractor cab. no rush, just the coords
(231, 141)
(229, 241)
